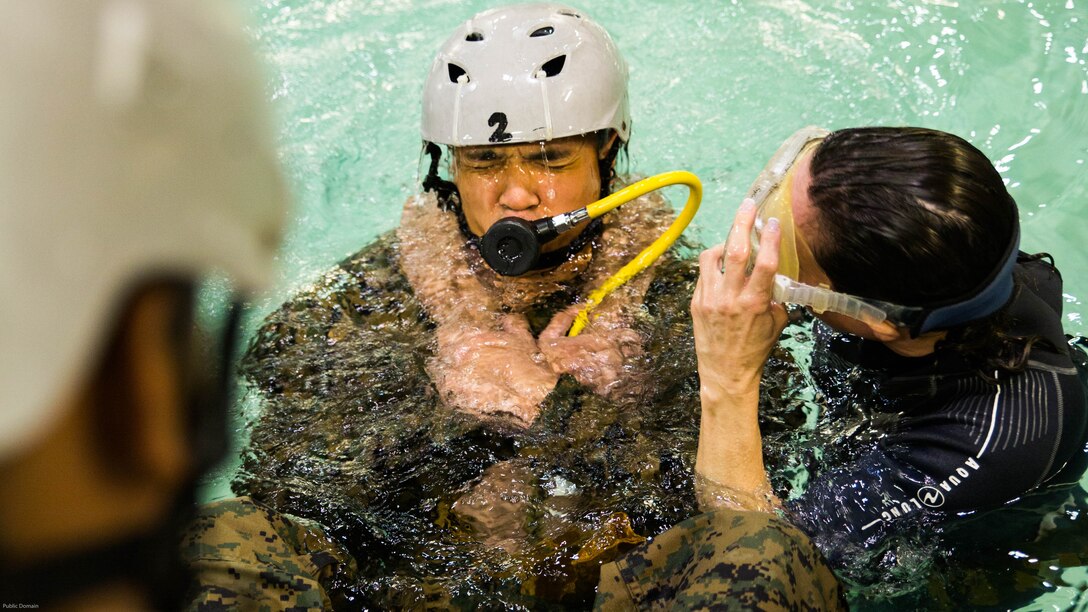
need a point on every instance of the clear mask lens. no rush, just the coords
(777, 205)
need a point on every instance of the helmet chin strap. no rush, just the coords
(149, 561)
(445, 191)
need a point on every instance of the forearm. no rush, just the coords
(735, 324)
(729, 460)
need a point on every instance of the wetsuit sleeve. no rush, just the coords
(858, 505)
(979, 451)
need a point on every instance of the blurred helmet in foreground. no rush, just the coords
(134, 144)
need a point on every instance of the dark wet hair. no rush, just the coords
(916, 217)
(907, 215)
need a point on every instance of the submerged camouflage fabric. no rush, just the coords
(247, 557)
(722, 560)
(244, 556)
(353, 434)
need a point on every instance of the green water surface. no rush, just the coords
(715, 87)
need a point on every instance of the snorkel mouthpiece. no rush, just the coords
(512, 245)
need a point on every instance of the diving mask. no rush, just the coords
(771, 193)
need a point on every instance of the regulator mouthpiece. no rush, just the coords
(512, 245)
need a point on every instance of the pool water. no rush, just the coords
(715, 87)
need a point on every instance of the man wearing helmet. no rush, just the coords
(116, 200)
(431, 414)
(424, 401)
(532, 102)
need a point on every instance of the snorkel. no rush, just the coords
(511, 246)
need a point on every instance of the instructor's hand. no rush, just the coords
(735, 322)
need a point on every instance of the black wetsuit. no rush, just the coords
(936, 438)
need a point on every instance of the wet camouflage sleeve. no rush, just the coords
(722, 560)
(244, 556)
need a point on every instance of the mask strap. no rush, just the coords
(986, 301)
(209, 405)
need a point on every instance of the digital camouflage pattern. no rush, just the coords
(722, 560)
(247, 557)
(353, 434)
(244, 556)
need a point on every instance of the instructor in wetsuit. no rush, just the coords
(905, 245)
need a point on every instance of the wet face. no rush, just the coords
(529, 180)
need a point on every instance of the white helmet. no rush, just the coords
(133, 143)
(525, 73)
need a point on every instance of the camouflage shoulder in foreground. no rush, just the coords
(245, 556)
(722, 560)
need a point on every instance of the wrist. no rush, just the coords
(736, 396)
(730, 451)
(729, 377)
(712, 495)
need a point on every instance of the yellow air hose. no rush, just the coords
(650, 253)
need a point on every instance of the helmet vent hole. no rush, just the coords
(554, 66)
(474, 37)
(570, 14)
(544, 31)
(456, 72)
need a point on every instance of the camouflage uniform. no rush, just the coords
(724, 560)
(354, 434)
(247, 557)
(244, 556)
